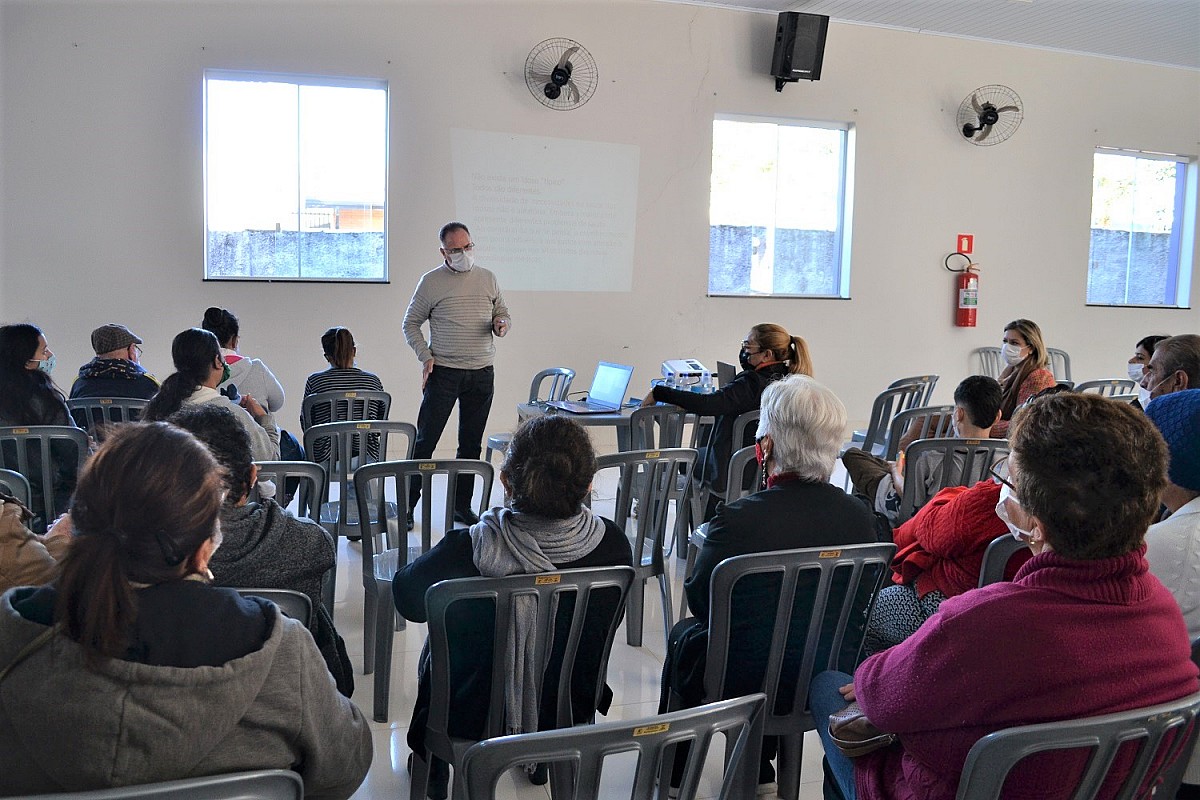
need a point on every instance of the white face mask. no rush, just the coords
(1002, 513)
(1143, 397)
(1012, 354)
(1135, 372)
(461, 262)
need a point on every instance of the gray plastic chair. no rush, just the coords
(825, 598)
(963, 462)
(996, 557)
(652, 738)
(650, 476)
(657, 427)
(585, 587)
(385, 547)
(296, 605)
(1060, 363)
(343, 406)
(18, 447)
(933, 422)
(560, 384)
(1108, 387)
(1066, 384)
(348, 445)
(313, 493)
(16, 485)
(1165, 733)
(991, 362)
(890, 402)
(702, 492)
(94, 414)
(264, 784)
(928, 381)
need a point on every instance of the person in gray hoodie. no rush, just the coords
(132, 668)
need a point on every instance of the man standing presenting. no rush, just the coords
(463, 305)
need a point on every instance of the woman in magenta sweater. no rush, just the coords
(1064, 640)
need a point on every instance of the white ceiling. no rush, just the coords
(1152, 31)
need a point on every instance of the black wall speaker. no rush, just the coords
(799, 47)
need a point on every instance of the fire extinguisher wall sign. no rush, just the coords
(967, 291)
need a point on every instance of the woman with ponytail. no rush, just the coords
(199, 369)
(132, 668)
(768, 353)
(343, 375)
(544, 527)
(247, 375)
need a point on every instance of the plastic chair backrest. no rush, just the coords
(657, 427)
(264, 784)
(16, 485)
(586, 586)
(649, 477)
(928, 381)
(1108, 387)
(296, 605)
(587, 747)
(16, 444)
(314, 483)
(991, 362)
(931, 465)
(887, 405)
(1066, 384)
(94, 414)
(560, 384)
(738, 464)
(747, 421)
(1060, 363)
(825, 598)
(354, 440)
(1164, 733)
(343, 406)
(996, 557)
(935, 422)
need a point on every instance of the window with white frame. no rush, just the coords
(779, 208)
(295, 177)
(1143, 228)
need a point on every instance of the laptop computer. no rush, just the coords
(725, 373)
(607, 394)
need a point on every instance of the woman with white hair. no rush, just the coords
(800, 431)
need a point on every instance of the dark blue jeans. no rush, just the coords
(825, 699)
(472, 390)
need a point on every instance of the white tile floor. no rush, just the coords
(634, 674)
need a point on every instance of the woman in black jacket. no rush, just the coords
(768, 353)
(546, 476)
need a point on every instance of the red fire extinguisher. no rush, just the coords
(966, 292)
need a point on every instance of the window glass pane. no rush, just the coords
(775, 208)
(296, 176)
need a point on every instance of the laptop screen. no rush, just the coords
(610, 383)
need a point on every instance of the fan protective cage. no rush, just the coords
(541, 63)
(1002, 98)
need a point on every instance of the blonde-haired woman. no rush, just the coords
(1027, 372)
(768, 353)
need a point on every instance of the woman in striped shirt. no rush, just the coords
(342, 376)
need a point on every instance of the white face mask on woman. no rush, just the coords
(1135, 372)
(1012, 354)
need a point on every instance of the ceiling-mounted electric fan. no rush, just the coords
(989, 115)
(561, 74)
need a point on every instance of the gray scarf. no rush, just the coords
(507, 542)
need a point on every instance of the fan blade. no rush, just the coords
(572, 91)
(538, 78)
(562, 62)
(975, 104)
(986, 130)
(1002, 109)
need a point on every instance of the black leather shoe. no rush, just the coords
(466, 516)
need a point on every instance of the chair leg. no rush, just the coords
(665, 588)
(562, 780)
(383, 657)
(370, 604)
(791, 752)
(635, 607)
(328, 589)
(418, 783)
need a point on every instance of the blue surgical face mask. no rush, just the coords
(47, 365)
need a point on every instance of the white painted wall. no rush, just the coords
(101, 192)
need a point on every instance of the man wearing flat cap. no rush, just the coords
(115, 371)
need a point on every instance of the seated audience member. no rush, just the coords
(116, 371)
(264, 546)
(27, 559)
(132, 668)
(1173, 367)
(799, 434)
(1143, 351)
(768, 353)
(976, 410)
(939, 554)
(28, 396)
(199, 369)
(343, 375)
(1060, 642)
(547, 473)
(1026, 374)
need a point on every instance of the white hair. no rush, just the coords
(806, 422)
